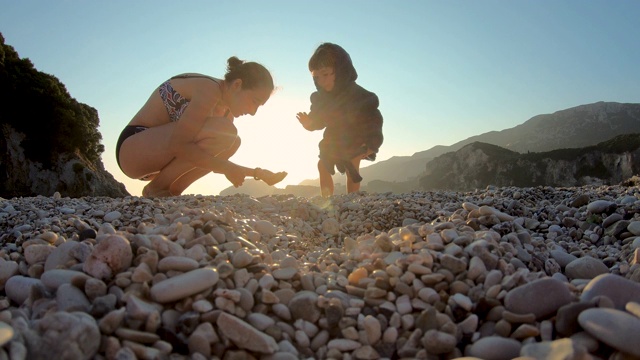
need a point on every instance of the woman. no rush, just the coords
(185, 130)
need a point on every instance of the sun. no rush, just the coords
(273, 139)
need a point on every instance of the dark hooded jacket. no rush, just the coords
(350, 116)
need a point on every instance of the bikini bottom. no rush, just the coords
(128, 131)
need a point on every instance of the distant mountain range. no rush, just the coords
(578, 127)
(479, 165)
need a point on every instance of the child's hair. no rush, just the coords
(334, 56)
(324, 56)
(252, 74)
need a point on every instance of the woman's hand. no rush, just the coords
(235, 174)
(270, 178)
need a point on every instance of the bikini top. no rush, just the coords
(196, 75)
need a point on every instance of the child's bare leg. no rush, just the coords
(326, 181)
(353, 186)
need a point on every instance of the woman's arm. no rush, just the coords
(201, 106)
(201, 137)
(200, 155)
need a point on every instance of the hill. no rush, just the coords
(479, 165)
(576, 127)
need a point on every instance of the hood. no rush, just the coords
(345, 72)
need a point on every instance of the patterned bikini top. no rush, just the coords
(175, 103)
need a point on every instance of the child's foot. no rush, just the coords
(271, 178)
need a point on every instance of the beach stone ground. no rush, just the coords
(497, 273)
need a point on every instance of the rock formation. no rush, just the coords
(479, 165)
(50, 141)
(69, 174)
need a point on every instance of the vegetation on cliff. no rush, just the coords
(39, 105)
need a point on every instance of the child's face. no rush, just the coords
(325, 78)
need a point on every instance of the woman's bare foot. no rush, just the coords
(270, 178)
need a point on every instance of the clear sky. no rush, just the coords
(443, 70)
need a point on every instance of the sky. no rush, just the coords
(443, 70)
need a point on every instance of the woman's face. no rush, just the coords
(325, 78)
(247, 102)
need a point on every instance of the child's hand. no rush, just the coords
(304, 119)
(367, 151)
(366, 155)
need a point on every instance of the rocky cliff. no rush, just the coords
(50, 142)
(479, 165)
(68, 173)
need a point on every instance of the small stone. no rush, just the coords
(616, 328)
(614, 287)
(558, 349)
(177, 263)
(246, 336)
(187, 284)
(18, 287)
(112, 255)
(265, 227)
(304, 306)
(6, 333)
(495, 348)
(519, 301)
(585, 268)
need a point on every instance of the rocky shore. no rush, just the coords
(499, 273)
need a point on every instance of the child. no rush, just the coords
(348, 113)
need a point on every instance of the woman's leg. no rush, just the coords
(161, 185)
(353, 186)
(147, 152)
(188, 178)
(326, 181)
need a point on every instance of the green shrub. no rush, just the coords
(77, 167)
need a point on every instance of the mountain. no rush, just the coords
(576, 127)
(479, 165)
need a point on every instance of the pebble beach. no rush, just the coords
(496, 273)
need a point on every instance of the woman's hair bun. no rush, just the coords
(233, 63)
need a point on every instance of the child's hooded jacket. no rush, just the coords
(349, 114)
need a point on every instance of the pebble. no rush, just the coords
(495, 348)
(585, 267)
(616, 288)
(184, 285)
(556, 294)
(6, 333)
(616, 328)
(246, 336)
(496, 273)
